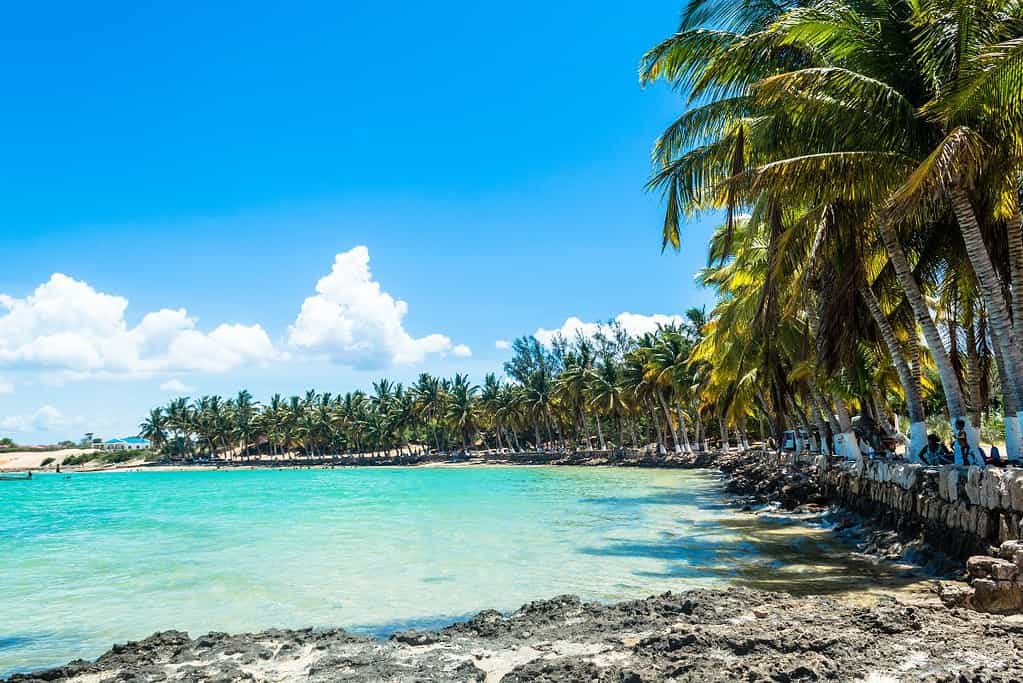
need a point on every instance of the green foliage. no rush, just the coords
(80, 459)
(937, 424)
(992, 428)
(117, 457)
(47, 461)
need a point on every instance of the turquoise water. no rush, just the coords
(95, 559)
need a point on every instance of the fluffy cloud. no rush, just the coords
(46, 419)
(176, 386)
(633, 323)
(462, 351)
(68, 328)
(502, 344)
(352, 321)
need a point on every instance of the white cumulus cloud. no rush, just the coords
(68, 328)
(462, 351)
(353, 322)
(176, 386)
(46, 419)
(502, 344)
(633, 323)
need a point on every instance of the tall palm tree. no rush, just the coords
(154, 428)
(463, 409)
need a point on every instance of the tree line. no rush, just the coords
(605, 392)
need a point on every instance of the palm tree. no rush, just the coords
(244, 412)
(179, 420)
(463, 409)
(490, 403)
(154, 428)
(607, 395)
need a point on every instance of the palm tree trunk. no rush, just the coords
(657, 424)
(802, 426)
(949, 380)
(910, 389)
(667, 418)
(973, 375)
(600, 434)
(992, 294)
(1015, 236)
(701, 440)
(724, 433)
(1012, 427)
(586, 427)
(822, 427)
(686, 446)
(621, 433)
(848, 445)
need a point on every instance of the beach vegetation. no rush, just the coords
(865, 159)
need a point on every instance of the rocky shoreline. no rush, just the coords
(725, 635)
(704, 635)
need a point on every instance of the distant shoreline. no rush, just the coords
(578, 459)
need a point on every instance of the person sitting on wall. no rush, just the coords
(994, 458)
(935, 452)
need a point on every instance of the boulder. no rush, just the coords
(979, 566)
(999, 597)
(1004, 570)
(1008, 550)
(954, 594)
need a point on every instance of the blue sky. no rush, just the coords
(489, 157)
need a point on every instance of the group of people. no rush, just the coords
(937, 453)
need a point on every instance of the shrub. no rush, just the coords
(80, 459)
(47, 461)
(115, 457)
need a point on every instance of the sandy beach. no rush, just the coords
(19, 461)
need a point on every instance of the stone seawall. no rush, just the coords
(961, 511)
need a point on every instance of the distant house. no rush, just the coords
(131, 443)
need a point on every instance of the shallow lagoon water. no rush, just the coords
(95, 559)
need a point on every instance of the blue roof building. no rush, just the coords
(129, 443)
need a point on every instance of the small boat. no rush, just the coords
(16, 476)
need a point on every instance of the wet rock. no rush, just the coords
(415, 637)
(567, 669)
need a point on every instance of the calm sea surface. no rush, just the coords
(94, 559)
